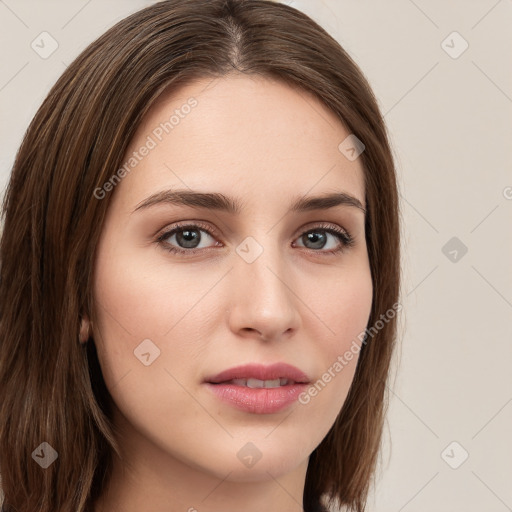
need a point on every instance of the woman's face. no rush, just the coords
(260, 285)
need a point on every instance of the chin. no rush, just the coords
(268, 462)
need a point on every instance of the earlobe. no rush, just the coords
(85, 333)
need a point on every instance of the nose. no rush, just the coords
(263, 302)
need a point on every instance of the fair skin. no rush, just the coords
(265, 144)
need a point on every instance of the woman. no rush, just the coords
(205, 205)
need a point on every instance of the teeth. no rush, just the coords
(256, 383)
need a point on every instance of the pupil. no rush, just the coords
(188, 238)
(315, 238)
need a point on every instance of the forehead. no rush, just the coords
(250, 135)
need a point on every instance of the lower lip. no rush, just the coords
(258, 400)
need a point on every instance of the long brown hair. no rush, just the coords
(51, 388)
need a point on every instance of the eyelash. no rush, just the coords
(344, 237)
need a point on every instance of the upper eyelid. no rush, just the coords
(183, 225)
(166, 232)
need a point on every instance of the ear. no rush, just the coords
(85, 331)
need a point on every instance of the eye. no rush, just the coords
(318, 238)
(187, 238)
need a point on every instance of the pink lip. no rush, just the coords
(261, 372)
(259, 400)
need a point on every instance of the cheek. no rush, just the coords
(138, 307)
(351, 307)
(138, 299)
(142, 297)
(344, 308)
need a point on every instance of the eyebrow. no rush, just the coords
(221, 202)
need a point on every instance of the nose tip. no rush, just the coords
(263, 303)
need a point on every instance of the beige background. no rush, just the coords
(450, 120)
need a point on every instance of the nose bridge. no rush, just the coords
(261, 264)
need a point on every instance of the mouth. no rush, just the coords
(259, 389)
(260, 376)
(257, 383)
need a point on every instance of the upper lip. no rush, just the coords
(261, 372)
